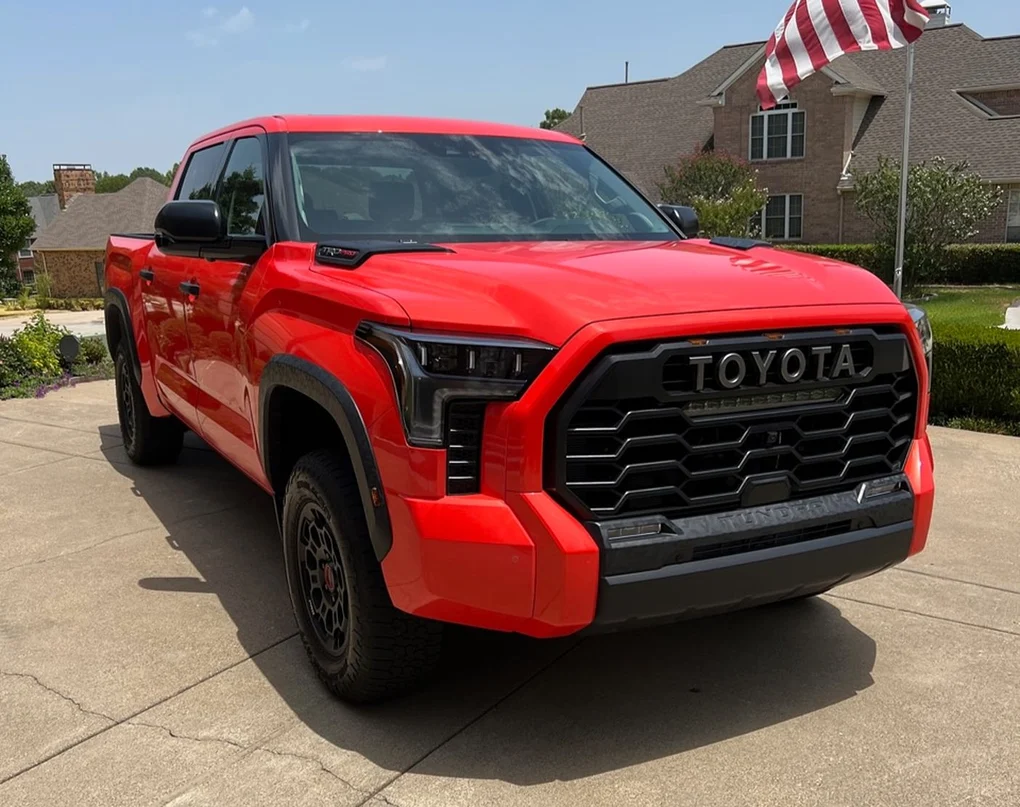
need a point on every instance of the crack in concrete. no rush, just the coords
(178, 736)
(316, 761)
(59, 694)
(114, 723)
(250, 749)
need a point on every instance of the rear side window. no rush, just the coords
(199, 180)
(243, 190)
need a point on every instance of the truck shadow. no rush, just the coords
(557, 710)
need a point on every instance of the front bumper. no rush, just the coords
(753, 556)
(526, 565)
(512, 558)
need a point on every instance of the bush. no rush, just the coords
(961, 264)
(976, 372)
(93, 350)
(946, 202)
(43, 287)
(722, 189)
(976, 264)
(13, 362)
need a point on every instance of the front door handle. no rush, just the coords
(147, 274)
(191, 289)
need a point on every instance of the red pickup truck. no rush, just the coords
(487, 382)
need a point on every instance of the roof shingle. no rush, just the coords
(89, 219)
(44, 210)
(642, 126)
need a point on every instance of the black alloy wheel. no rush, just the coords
(323, 579)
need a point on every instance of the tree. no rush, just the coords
(16, 227)
(721, 188)
(945, 201)
(111, 183)
(553, 118)
(32, 188)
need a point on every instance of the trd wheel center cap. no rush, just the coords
(328, 579)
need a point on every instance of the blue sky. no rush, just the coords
(123, 83)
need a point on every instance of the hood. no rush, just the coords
(548, 290)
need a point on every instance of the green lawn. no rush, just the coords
(975, 305)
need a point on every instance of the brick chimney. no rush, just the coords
(73, 180)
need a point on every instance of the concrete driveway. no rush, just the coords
(80, 323)
(148, 656)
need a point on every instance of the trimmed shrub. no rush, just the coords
(976, 372)
(977, 264)
(864, 255)
(963, 264)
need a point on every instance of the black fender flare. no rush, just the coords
(312, 381)
(115, 299)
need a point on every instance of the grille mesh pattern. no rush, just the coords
(675, 451)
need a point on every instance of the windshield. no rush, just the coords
(451, 188)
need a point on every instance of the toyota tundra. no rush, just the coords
(487, 382)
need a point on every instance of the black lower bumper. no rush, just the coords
(750, 557)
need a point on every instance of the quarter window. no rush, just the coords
(782, 217)
(199, 180)
(778, 134)
(1013, 216)
(243, 190)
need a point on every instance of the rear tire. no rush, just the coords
(148, 440)
(362, 648)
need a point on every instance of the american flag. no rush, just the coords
(815, 32)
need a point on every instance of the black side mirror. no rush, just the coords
(190, 222)
(683, 217)
(198, 229)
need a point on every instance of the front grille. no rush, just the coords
(676, 429)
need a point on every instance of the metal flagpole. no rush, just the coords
(901, 226)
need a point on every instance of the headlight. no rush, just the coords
(923, 326)
(430, 370)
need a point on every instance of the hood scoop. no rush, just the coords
(351, 254)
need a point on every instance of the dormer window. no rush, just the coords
(777, 134)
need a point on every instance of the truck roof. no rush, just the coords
(389, 123)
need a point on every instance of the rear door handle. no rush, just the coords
(189, 288)
(147, 274)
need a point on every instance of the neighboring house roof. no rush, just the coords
(644, 125)
(90, 218)
(852, 77)
(44, 210)
(943, 124)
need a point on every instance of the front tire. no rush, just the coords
(362, 648)
(148, 440)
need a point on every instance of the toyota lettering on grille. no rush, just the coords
(751, 367)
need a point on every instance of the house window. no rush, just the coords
(778, 134)
(782, 217)
(1013, 216)
(26, 251)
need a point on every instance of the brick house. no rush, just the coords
(836, 123)
(71, 249)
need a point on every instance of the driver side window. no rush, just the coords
(242, 192)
